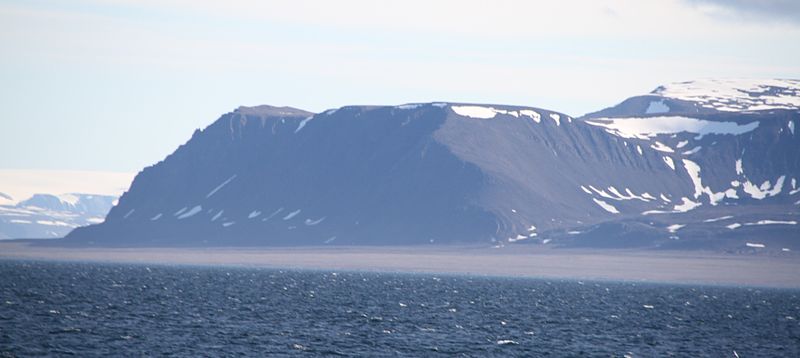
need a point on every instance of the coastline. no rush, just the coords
(675, 267)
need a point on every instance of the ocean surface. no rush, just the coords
(85, 309)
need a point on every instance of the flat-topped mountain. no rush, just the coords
(673, 168)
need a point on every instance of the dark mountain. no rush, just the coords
(693, 165)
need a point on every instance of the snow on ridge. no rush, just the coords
(649, 127)
(409, 106)
(532, 114)
(475, 111)
(736, 95)
(556, 118)
(482, 112)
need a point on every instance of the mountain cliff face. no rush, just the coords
(674, 168)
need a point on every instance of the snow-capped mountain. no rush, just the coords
(31, 206)
(711, 96)
(706, 164)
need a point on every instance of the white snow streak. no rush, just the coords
(191, 212)
(220, 186)
(606, 206)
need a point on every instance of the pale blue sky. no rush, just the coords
(117, 85)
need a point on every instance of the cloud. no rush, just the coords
(779, 11)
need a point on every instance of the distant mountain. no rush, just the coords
(32, 206)
(706, 164)
(52, 216)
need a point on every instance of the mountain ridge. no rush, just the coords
(467, 173)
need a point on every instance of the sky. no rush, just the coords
(117, 85)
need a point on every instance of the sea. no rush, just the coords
(134, 310)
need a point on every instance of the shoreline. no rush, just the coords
(670, 267)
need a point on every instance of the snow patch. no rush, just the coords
(475, 111)
(482, 112)
(718, 219)
(606, 206)
(649, 127)
(292, 214)
(674, 227)
(656, 107)
(191, 212)
(693, 150)
(661, 147)
(253, 214)
(764, 190)
(736, 95)
(310, 222)
(156, 217)
(220, 186)
(686, 205)
(128, 214)
(532, 114)
(556, 118)
(694, 174)
(409, 106)
(773, 222)
(669, 162)
(303, 123)
(54, 223)
(755, 245)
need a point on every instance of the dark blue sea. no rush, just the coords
(84, 310)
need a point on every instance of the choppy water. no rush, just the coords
(135, 310)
